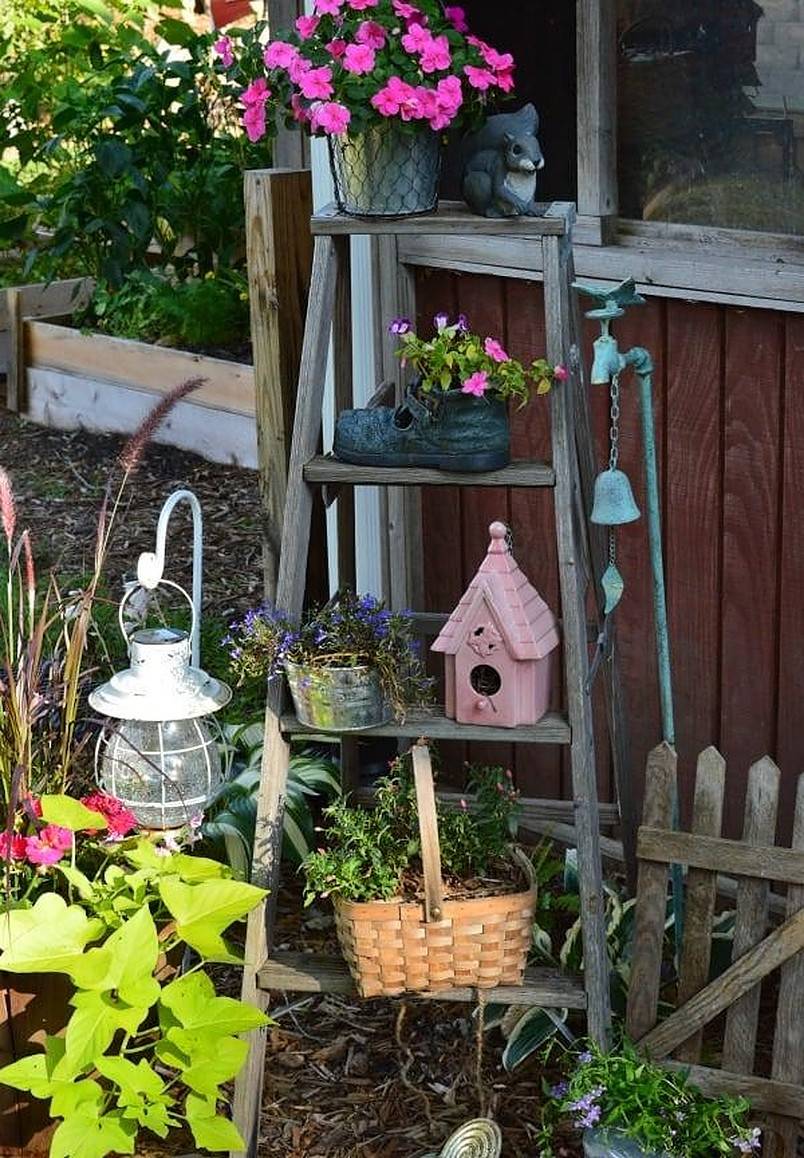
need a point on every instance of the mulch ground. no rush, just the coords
(344, 1078)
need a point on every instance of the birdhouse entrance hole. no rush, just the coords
(485, 680)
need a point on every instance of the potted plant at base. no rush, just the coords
(382, 80)
(350, 664)
(628, 1107)
(455, 415)
(426, 897)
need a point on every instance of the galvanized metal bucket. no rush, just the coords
(337, 699)
(386, 171)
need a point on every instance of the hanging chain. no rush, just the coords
(612, 547)
(614, 429)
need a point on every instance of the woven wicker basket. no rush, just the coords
(393, 947)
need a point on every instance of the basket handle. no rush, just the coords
(428, 830)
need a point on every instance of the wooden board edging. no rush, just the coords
(47, 299)
(138, 365)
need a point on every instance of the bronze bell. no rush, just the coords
(614, 500)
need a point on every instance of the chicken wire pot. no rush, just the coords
(386, 170)
(337, 699)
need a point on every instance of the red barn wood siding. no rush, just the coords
(729, 402)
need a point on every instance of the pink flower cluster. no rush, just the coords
(499, 70)
(49, 844)
(437, 106)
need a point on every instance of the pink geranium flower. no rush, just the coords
(436, 55)
(495, 350)
(476, 384)
(223, 47)
(358, 59)
(12, 846)
(306, 26)
(370, 33)
(316, 83)
(479, 78)
(119, 821)
(456, 17)
(397, 97)
(49, 845)
(330, 116)
(279, 54)
(336, 48)
(328, 7)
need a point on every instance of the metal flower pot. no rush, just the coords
(614, 1144)
(386, 171)
(337, 699)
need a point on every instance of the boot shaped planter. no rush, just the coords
(614, 1144)
(448, 431)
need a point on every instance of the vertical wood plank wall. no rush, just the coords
(729, 401)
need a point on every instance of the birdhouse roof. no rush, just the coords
(522, 617)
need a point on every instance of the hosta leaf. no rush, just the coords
(534, 1028)
(47, 938)
(203, 911)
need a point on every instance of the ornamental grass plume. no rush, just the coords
(131, 454)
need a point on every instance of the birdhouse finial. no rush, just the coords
(499, 534)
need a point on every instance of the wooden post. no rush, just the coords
(596, 40)
(279, 253)
(15, 378)
(291, 147)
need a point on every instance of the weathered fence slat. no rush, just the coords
(788, 1041)
(716, 853)
(699, 906)
(751, 919)
(649, 914)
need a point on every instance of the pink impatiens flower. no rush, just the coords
(456, 17)
(417, 38)
(12, 846)
(316, 83)
(495, 350)
(560, 373)
(49, 845)
(255, 98)
(476, 384)
(407, 11)
(362, 5)
(119, 821)
(328, 7)
(306, 26)
(223, 47)
(479, 78)
(436, 55)
(358, 59)
(298, 67)
(299, 109)
(397, 97)
(279, 54)
(336, 48)
(370, 33)
(330, 116)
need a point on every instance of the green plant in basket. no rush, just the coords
(374, 853)
(620, 1097)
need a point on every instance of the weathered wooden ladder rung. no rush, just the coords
(755, 860)
(570, 476)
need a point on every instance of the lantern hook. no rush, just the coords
(151, 564)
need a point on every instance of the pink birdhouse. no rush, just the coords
(498, 645)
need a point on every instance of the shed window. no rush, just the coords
(711, 112)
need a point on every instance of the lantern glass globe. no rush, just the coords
(165, 772)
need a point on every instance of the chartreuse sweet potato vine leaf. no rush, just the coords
(70, 813)
(202, 913)
(191, 1003)
(47, 938)
(210, 1129)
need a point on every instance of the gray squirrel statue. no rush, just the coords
(499, 165)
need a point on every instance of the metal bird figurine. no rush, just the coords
(611, 299)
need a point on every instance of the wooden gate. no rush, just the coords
(772, 1077)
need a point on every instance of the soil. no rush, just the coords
(345, 1078)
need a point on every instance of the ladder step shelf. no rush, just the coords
(318, 973)
(522, 473)
(550, 729)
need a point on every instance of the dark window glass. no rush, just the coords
(711, 112)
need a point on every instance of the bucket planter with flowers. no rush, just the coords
(455, 414)
(427, 897)
(350, 664)
(624, 1106)
(382, 80)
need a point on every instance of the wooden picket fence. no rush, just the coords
(755, 861)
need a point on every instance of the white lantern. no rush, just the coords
(161, 760)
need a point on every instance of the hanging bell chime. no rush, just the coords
(614, 500)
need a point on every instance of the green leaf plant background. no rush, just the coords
(145, 1048)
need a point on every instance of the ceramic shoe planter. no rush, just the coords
(449, 431)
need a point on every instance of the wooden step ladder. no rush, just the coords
(570, 475)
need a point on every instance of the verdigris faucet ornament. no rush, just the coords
(499, 165)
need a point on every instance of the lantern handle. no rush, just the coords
(162, 583)
(151, 564)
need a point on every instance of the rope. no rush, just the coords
(480, 1138)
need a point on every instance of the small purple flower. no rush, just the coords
(585, 1057)
(461, 325)
(589, 1119)
(750, 1143)
(560, 1089)
(440, 321)
(399, 326)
